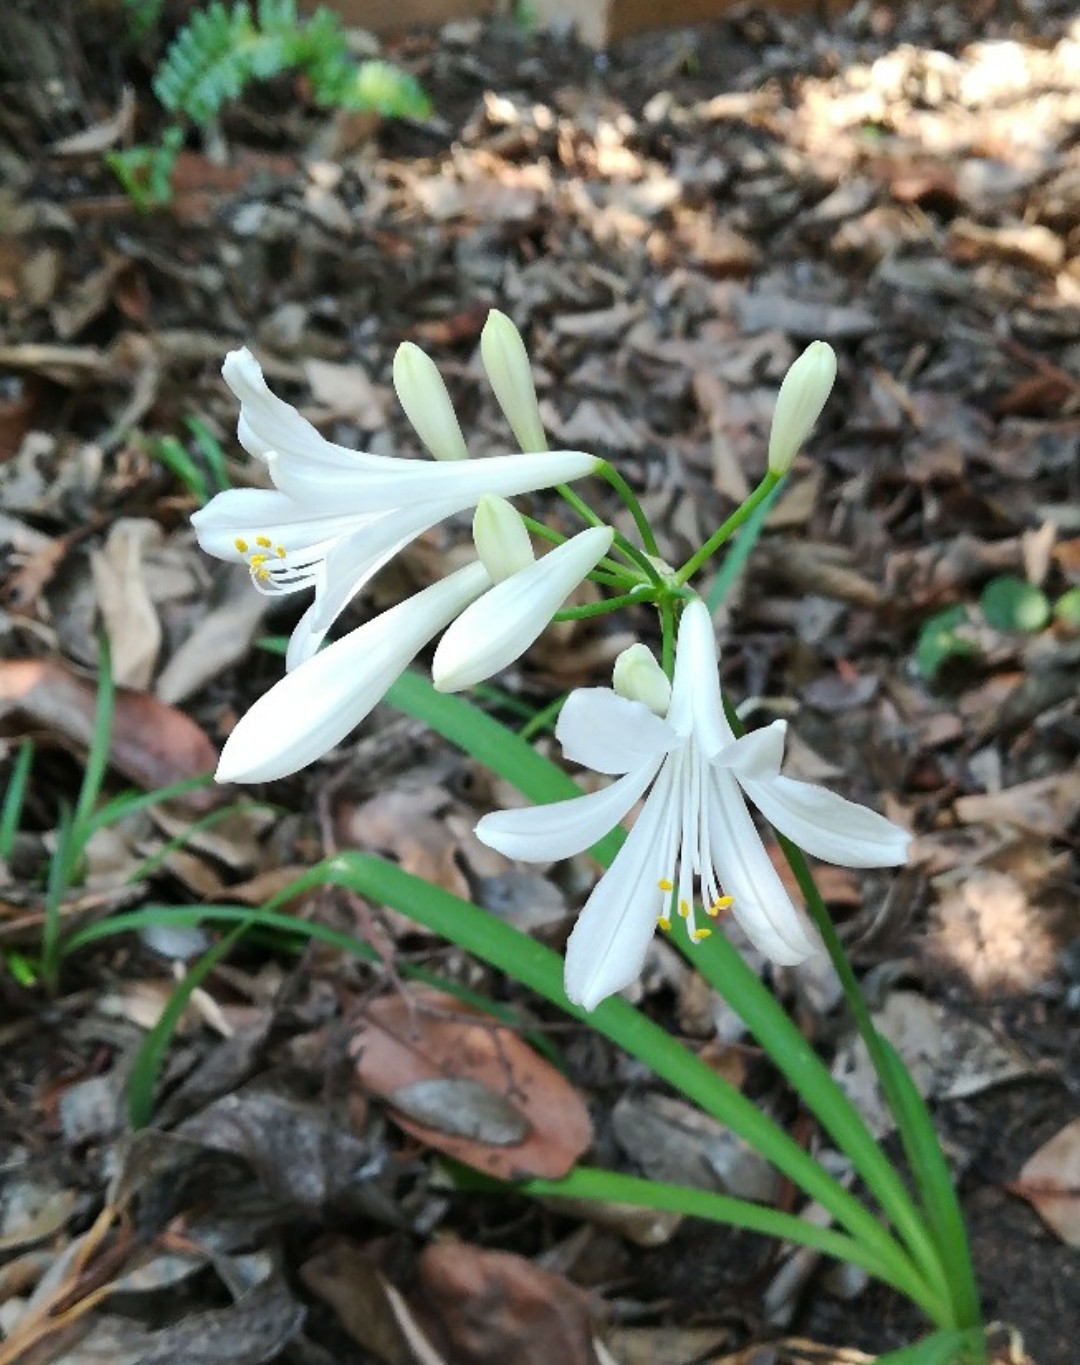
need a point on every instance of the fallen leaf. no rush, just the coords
(1050, 1182)
(495, 1307)
(949, 1056)
(124, 600)
(151, 743)
(425, 1035)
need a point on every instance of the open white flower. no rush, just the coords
(336, 516)
(316, 705)
(694, 826)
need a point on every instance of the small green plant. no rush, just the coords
(202, 472)
(224, 49)
(1007, 603)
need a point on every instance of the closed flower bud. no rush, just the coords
(422, 393)
(510, 374)
(802, 395)
(501, 538)
(638, 677)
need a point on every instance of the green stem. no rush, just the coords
(723, 966)
(941, 1206)
(626, 493)
(630, 599)
(727, 529)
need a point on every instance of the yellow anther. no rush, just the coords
(264, 541)
(721, 903)
(256, 560)
(665, 885)
(280, 551)
(241, 545)
(664, 923)
(684, 910)
(263, 575)
(698, 934)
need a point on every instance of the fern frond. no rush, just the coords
(208, 62)
(222, 50)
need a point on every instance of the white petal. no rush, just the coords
(697, 677)
(347, 566)
(610, 734)
(452, 486)
(313, 708)
(499, 628)
(757, 755)
(540, 834)
(828, 826)
(244, 513)
(267, 423)
(607, 948)
(760, 903)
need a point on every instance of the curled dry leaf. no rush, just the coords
(515, 1117)
(1050, 1182)
(152, 744)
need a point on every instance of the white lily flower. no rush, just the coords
(803, 394)
(500, 626)
(314, 707)
(338, 515)
(694, 826)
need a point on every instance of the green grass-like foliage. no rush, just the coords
(223, 49)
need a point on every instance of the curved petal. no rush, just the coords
(607, 948)
(757, 755)
(609, 734)
(696, 658)
(244, 513)
(267, 423)
(452, 486)
(540, 834)
(348, 565)
(760, 903)
(499, 628)
(315, 707)
(828, 826)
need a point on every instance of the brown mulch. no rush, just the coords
(669, 224)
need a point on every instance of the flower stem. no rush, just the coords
(727, 529)
(630, 599)
(941, 1208)
(626, 493)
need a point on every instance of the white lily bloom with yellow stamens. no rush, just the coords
(335, 516)
(316, 705)
(694, 830)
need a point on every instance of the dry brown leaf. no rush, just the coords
(495, 1307)
(151, 743)
(124, 600)
(1047, 806)
(425, 1035)
(1050, 1182)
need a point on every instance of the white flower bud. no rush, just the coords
(638, 677)
(510, 374)
(422, 393)
(501, 538)
(802, 395)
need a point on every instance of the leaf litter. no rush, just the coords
(667, 231)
